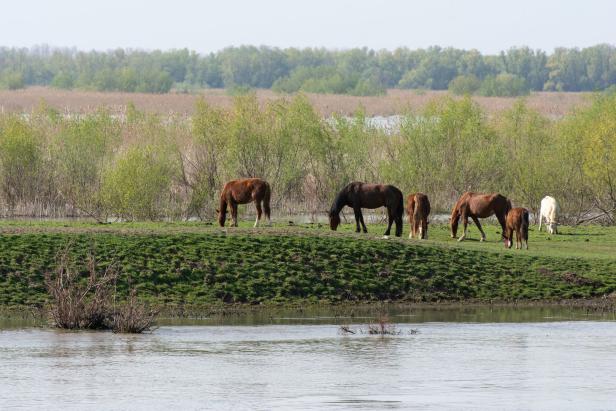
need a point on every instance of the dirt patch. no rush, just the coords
(568, 277)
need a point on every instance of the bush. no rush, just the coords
(504, 85)
(466, 84)
(136, 185)
(368, 88)
(12, 80)
(78, 304)
(63, 80)
(133, 317)
(327, 79)
(21, 162)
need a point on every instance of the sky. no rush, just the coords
(208, 26)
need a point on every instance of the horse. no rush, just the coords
(242, 192)
(475, 206)
(549, 210)
(358, 195)
(517, 220)
(418, 210)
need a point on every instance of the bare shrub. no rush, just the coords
(75, 303)
(80, 303)
(133, 317)
(383, 327)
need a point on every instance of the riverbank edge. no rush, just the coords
(600, 305)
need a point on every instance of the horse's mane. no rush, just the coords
(341, 198)
(339, 202)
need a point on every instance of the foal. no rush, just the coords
(418, 210)
(517, 220)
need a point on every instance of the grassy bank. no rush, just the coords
(178, 264)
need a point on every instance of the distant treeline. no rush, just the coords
(142, 166)
(357, 71)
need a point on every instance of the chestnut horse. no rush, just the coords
(242, 192)
(476, 206)
(418, 210)
(361, 195)
(517, 221)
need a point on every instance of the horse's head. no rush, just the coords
(222, 216)
(334, 220)
(453, 221)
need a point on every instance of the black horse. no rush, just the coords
(359, 195)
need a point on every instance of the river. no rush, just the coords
(546, 359)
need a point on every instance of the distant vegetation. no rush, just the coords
(357, 71)
(145, 167)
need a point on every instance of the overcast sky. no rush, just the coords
(205, 26)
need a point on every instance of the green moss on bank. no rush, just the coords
(190, 264)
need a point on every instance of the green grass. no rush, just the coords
(199, 264)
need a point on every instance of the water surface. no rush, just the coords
(297, 361)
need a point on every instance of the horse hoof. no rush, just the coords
(482, 239)
(386, 237)
(460, 239)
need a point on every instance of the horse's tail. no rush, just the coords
(410, 207)
(222, 210)
(525, 224)
(266, 200)
(398, 217)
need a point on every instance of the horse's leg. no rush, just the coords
(357, 212)
(259, 211)
(465, 225)
(398, 220)
(423, 229)
(412, 224)
(502, 219)
(361, 220)
(540, 218)
(234, 213)
(390, 221)
(478, 224)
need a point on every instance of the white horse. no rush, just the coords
(549, 211)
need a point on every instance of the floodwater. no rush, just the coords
(460, 359)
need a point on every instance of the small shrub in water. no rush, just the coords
(76, 304)
(383, 327)
(133, 317)
(79, 304)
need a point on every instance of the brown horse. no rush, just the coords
(242, 192)
(418, 210)
(361, 195)
(517, 220)
(476, 206)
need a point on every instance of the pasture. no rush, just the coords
(202, 265)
